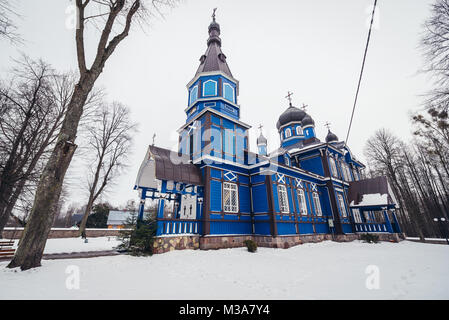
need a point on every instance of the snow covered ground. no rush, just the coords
(67, 245)
(327, 270)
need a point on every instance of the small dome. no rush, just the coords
(261, 140)
(292, 114)
(331, 137)
(307, 121)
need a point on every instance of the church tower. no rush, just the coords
(213, 125)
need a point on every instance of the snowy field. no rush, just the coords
(327, 270)
(68, 245)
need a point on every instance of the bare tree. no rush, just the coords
(435, 43)
(8, 29)
(108, 16)
(110, 139)
(33, 102)
(33, 105)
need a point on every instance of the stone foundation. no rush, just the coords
(166, 244)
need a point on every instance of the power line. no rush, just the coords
(361, 71)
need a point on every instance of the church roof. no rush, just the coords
(214, 59)
(168, 168)
(370, 192)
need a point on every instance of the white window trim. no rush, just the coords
(233, 188)
(316, 201)
(299, 131)
(341, 202)
(282, 192)
(191, 90)
(302, 202)
(288, 133)
(215, 88)
(224, 90)
(334, 172)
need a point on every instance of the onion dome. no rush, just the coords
(331, 137)
(307, 121)
(261, 140)
(292, 114)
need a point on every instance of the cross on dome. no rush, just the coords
(327, 125)
(289, 97)
(304, 107)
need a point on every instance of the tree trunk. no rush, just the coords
(32, 244)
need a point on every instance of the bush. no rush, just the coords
(139, 238)
(251, 245)
(370, 238)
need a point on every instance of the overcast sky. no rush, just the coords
(312, 48)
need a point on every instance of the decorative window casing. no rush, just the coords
(230, 197)
(341, 203)
(317, 204)
(288, 133)
(228, 92)
(348, 172)
(302, 202)
(299, 131)
(283, 199)
(209, 88)
(357, 216)
(334, 171)
(193, 94)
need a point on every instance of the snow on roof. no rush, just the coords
(372, 199)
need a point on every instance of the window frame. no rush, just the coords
(232, 90)
(215, 88)
(282, 192)
(230, 186)
(299, 131)
(341, 203)
(302, 202)
(288, 133)
(317, 204)
(195, 97)
(333, 167)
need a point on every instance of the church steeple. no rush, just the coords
(214, 59)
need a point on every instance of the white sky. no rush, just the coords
(312, 48)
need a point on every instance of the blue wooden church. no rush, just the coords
(213, 192)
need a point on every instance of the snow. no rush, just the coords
(68, 245)
(326, 270)
(372, 199)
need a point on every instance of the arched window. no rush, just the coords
(193, 94)
(228, 92)
(333, 167)
(299, 131)
(210, 88)
(288, 133)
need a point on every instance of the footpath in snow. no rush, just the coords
(327, 270)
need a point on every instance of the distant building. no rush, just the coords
(117, 219)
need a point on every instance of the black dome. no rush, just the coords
(331, 137)
(307, 121)
(292, 114)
